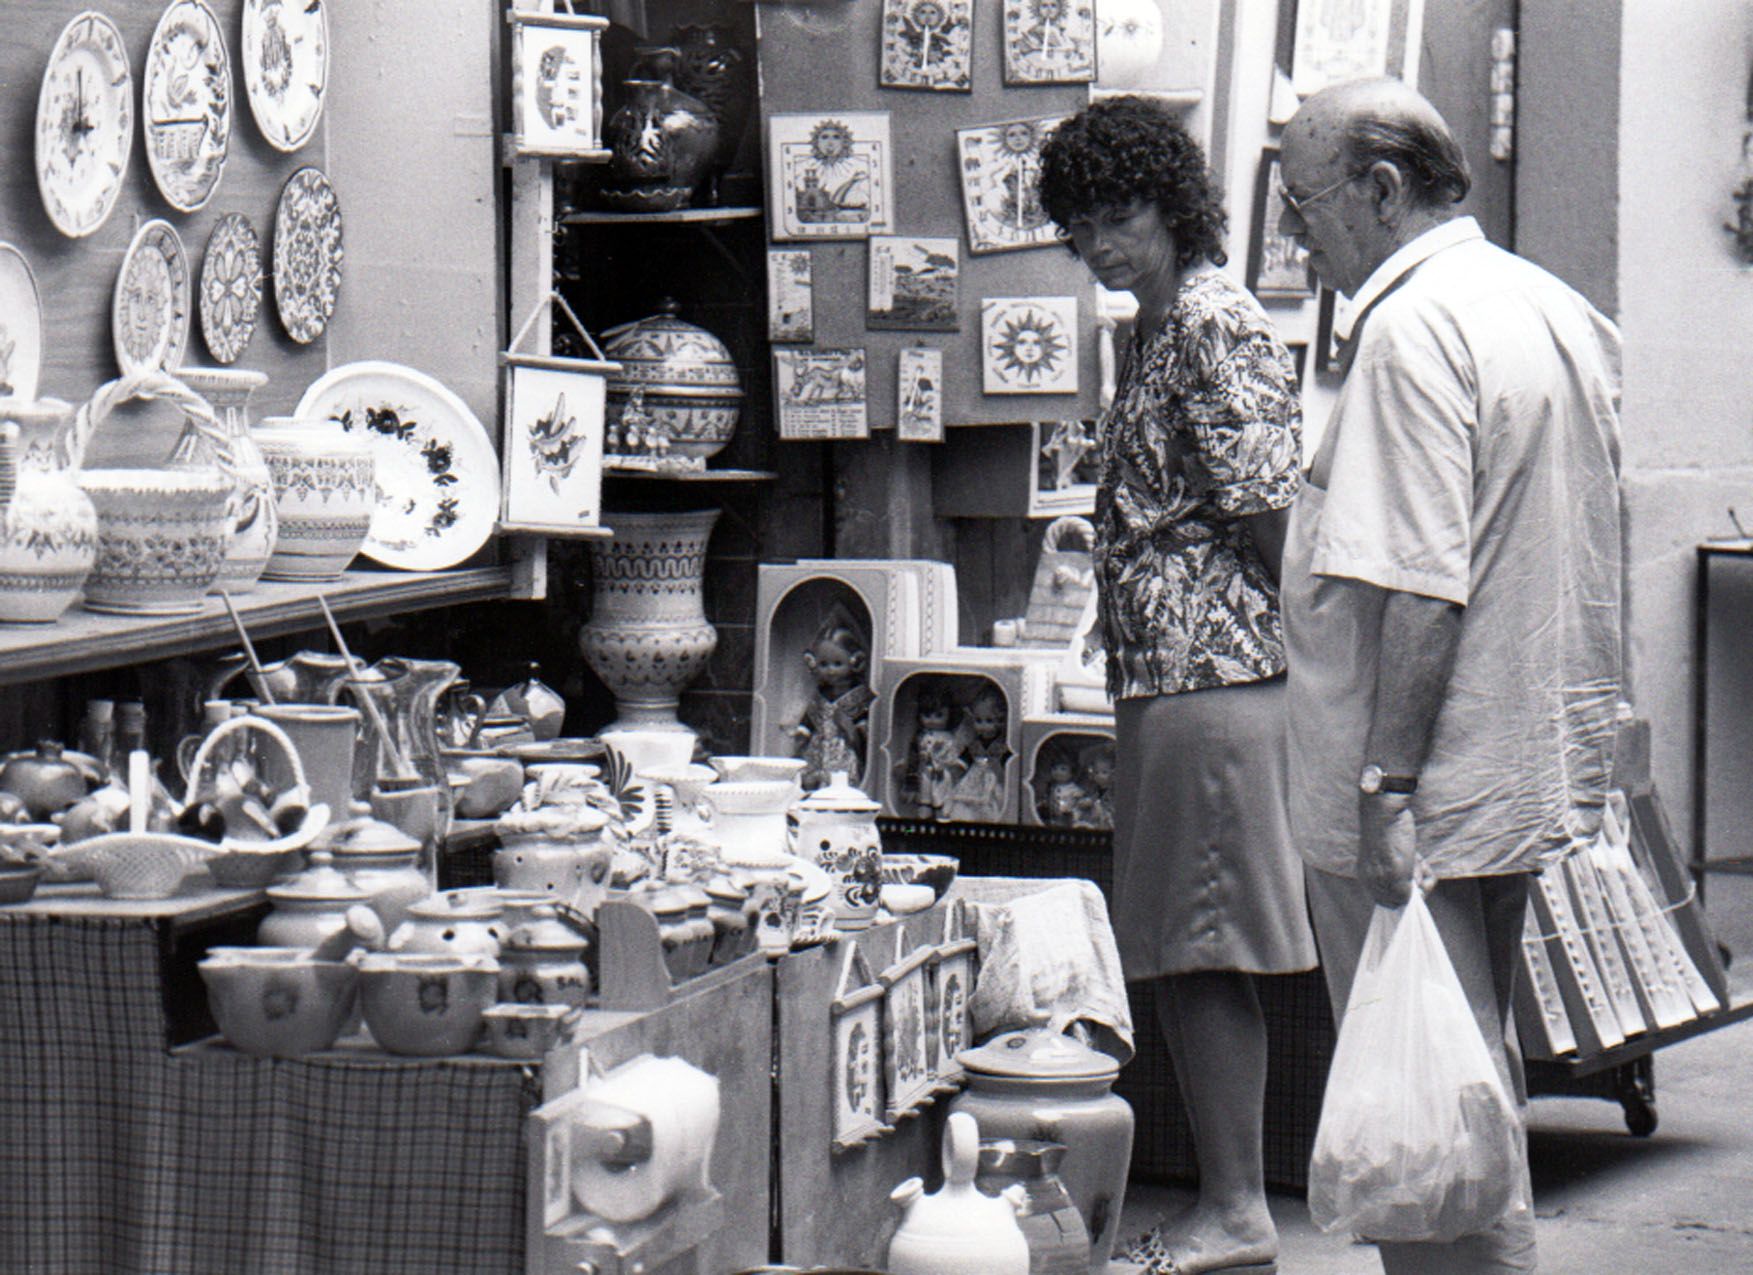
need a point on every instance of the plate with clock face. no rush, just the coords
(149, 315)
(186, 104)
(286, 67)
(85, 124)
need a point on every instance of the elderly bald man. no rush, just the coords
(1451, 579)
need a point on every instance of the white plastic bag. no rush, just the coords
(1418, 1140)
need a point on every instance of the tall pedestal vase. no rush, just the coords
(647, 636)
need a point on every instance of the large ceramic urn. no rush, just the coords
(660, 138)
(648, 636)
(679, 380)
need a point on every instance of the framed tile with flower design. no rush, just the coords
(856, 1070)
(908, 1031)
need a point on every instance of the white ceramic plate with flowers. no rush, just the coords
(21, 326)
(149, 314)
(186, 103)
(437, 473)
(307, 254)
(286, 67)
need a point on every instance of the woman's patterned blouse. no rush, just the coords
(1206, 428)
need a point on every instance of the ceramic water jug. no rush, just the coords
(48, 526)
(1059, 1243)
(383, 861)
(660, 138)
(256, 521)
(958, 1231)
(835, 826)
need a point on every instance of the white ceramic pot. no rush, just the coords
(748, 821)
(48, 528)
(836, 827)
(324, 494)
(685, 380)
(277, 1002)
(256, 523)
(161, 539)
(424, 1004)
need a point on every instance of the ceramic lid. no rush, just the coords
(664, 352)
(480, 903)
(837, 797)
(544, 932)
(561, 821)
(1036, 1053)
(359, 838)
(321, 883)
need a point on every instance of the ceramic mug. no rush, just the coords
(324, 736)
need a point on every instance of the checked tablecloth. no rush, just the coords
(119, 1157)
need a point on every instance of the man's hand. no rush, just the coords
(1388, 849)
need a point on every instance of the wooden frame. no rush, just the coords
(927, 46)
(950, 990)
(1278, 266)
(856, 1071)
(556, 85)
(1338, 40)
(908, 1078)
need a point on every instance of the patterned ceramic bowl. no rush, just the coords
(679, 377)
(426, 1005)
(277, 1002)
(161, 539)
(324, 493)
(934, 870)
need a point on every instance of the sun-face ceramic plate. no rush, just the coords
(85, 124)
(437, 472)
(231, 287)
(21, 326)
(149, 315)
(286, 67)
(187, 104)
(307, 254)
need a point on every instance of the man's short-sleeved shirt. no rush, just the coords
(1206, 429)
(1472, 456)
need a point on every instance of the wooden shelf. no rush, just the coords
(691, 476)
(675, 217)
(84, 640)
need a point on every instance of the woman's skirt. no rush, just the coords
(1205, 877)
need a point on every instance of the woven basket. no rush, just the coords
(1064, 582)
(139, 865)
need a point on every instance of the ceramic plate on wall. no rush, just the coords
(21, 326)
(231, 287)
(307, 254)
(85, 124)
(149, 315)
(437, 473)
(286, 67)
(186, 104)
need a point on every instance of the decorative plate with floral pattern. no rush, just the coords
(149, 314)
(286, 67)
(85, 124)
(307, 254)
(437, 472)
(186, 104)
(21, 326)
(231, 287)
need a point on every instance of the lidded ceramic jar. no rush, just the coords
(682, 926)
(45, 781)
(324, 495)
(542, 960)
(452, 922)
(48, 526)
(383, 861)
(1039, 1084)
(835, 827)
(558, 850)
(748, 821)
(312, 907)
(684, 378)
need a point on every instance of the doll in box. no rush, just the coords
(1096, 810)
(1062, 794)
(836, 725)
(979, 793)
(934, 764)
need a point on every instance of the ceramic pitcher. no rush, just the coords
(256, 523)
(48, 527)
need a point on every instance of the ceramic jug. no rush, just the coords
(958, 1231)
(1059, 1243)
(397, 699)
(660, 139)
(48, 526)
(835, 827)
(720, 74)
(534, 702)
(310, 909)
(1036, 1083)
(256, 524)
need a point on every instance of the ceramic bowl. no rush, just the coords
(138, 865)
(277, 1002)
(161, 539)
(904, 900)
(324, 494)
(18, 881)
(934, 870)
(577, 749)
(243, 867)
(527, 1031)
(424, 1004)
(736, 770)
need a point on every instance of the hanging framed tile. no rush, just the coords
(820, 394)
(790, 295)
(1028, 345)
(187, 104)
(556, 85)
(1049, 41)
(928, 44)
(913, 283)
(907, 1030)
(551, 453)
(1278, 265)
(856, 1069)
(1000, 170)
(951, 986)
(1339, 40)
(830, 175)
(919, 395)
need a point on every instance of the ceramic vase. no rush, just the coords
(48, 527)
(660, 139)
(679, 376)
(324, 495)
(648, 636)
(256, 522)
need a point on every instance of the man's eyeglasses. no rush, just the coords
(1298, 206)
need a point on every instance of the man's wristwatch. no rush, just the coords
(1372, 781)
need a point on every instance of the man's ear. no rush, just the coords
(1388, 188)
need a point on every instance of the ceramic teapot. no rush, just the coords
(958, 1231)
(835, 827)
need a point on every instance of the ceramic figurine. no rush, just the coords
(935, 765)
(835, 726)
(1064, 794)
(1096, 808)
(979, 793)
